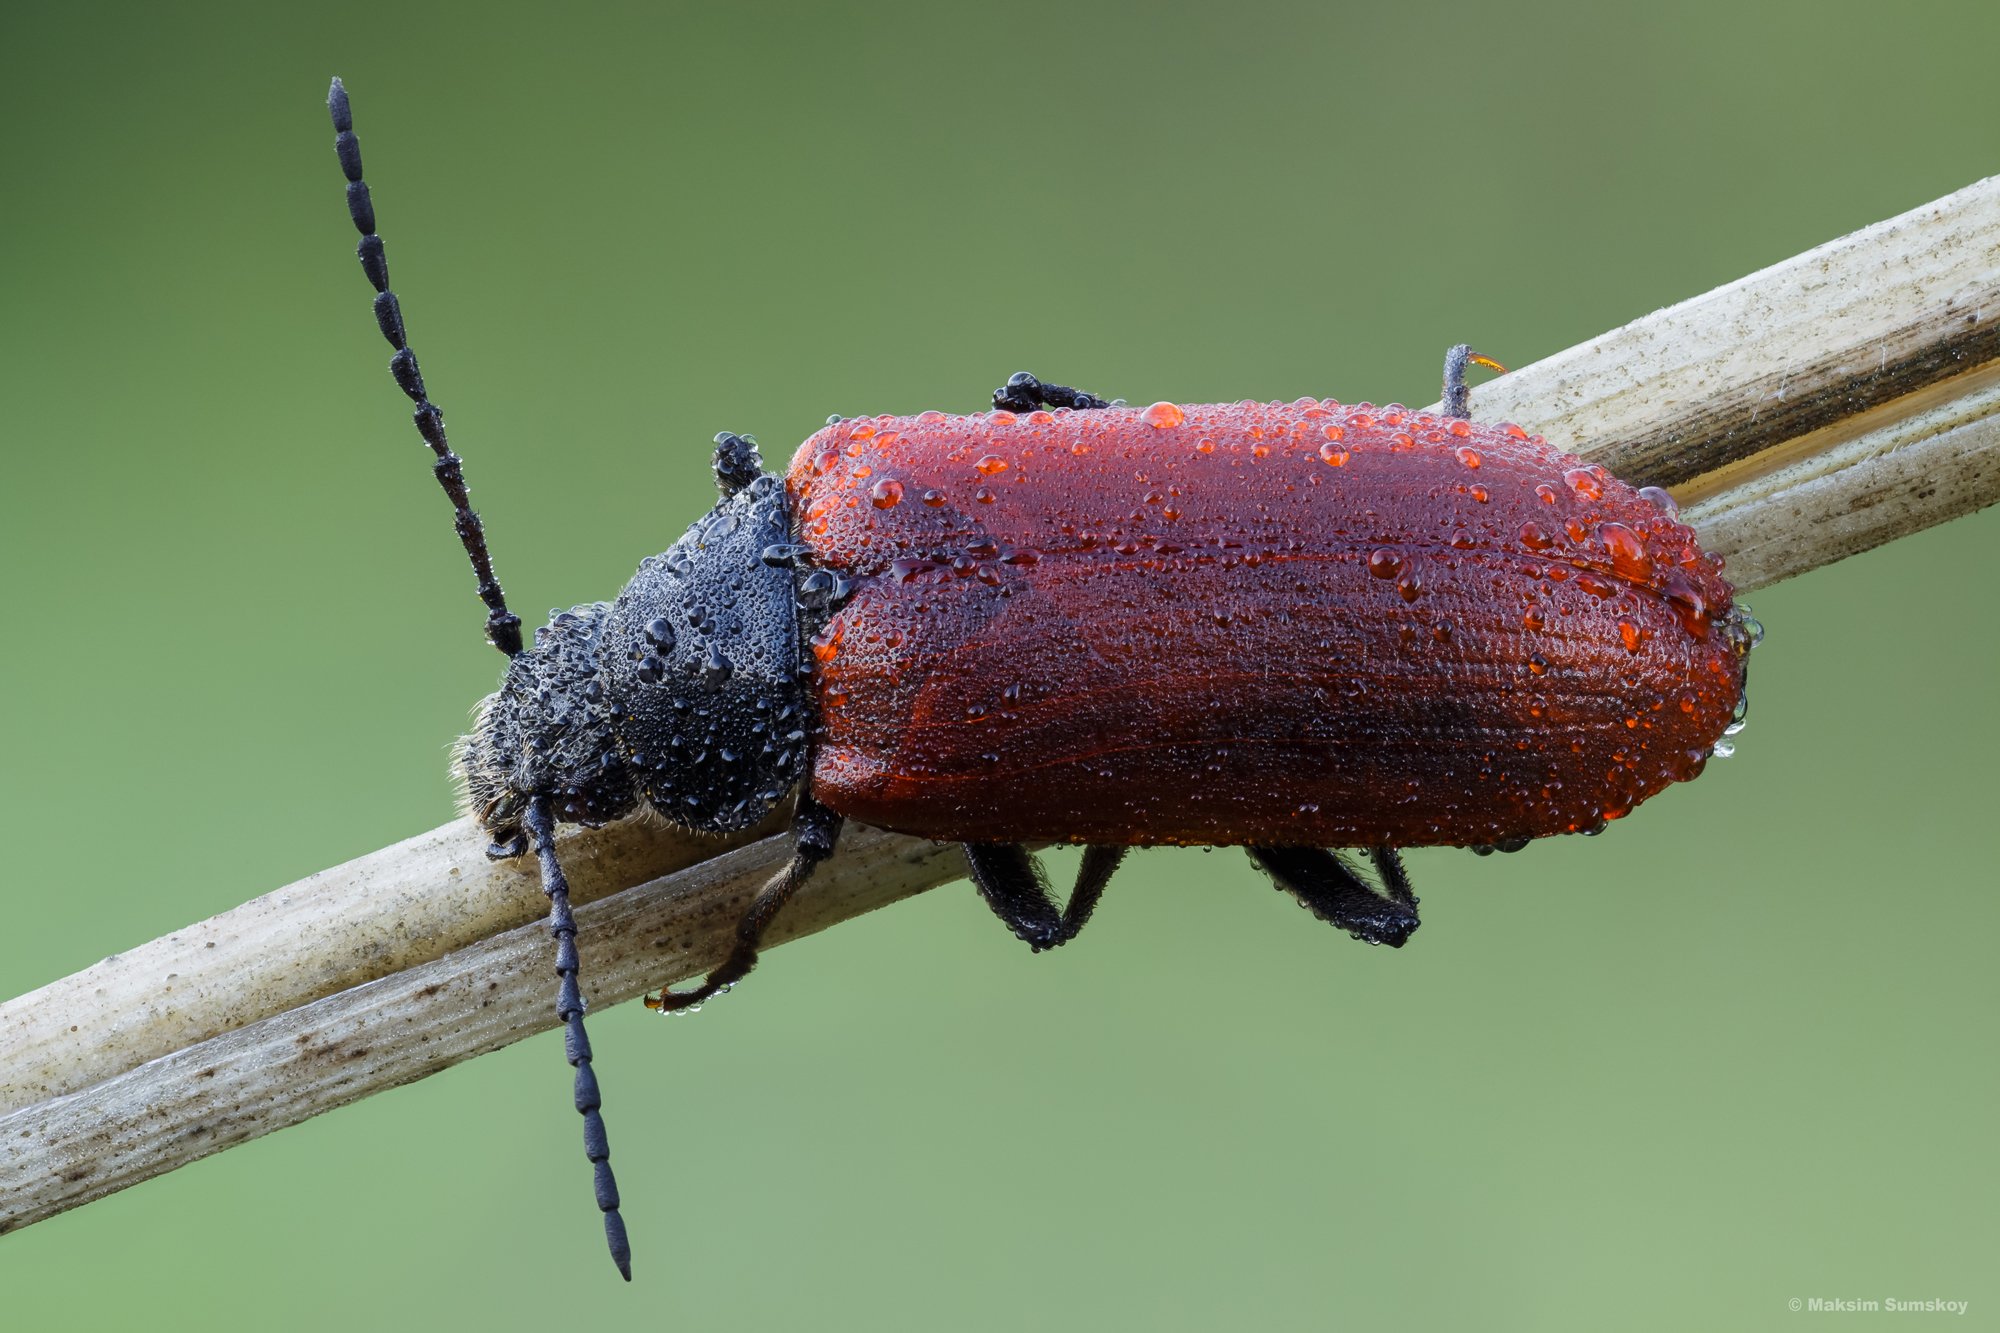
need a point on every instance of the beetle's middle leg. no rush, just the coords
(1024, 393)
(814, 831)
(1010, 879)
(1327, 888)
(1457, 395)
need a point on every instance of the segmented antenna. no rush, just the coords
(503, 627)
(576, 1043)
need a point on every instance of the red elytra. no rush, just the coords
(1249, 623)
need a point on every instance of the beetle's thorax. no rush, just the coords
(683, 696)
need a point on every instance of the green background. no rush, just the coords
(1739, 1050)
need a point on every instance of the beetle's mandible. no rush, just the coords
(1290, 627)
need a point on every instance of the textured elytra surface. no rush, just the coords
(1293, 623)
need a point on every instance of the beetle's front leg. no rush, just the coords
(1024, 393)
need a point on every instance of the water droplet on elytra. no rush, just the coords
(1662, 499)
(1629, 560)
(1585, 483)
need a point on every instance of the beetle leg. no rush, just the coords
(1456, 394)
(736, 462)
(1011, 881)
(1395, 880)
(1024, 393)
(1327, 888)
(814, 831)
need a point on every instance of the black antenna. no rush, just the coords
(503, 627)
(576, 1043)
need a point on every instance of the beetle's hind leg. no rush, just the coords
(1024, 393)
(1011, 881)
(814, 831)
(1457, 394)
(1328, 888)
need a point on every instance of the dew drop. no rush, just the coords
(1537, 664)
(984, 496)
(1162, 416)
(886, 493)
(1585, 483)
(1661, 498)
(1688, 603)
(1629, 560)
(1385, 563)
(933, 498)
(1534, 538)
(1332, 455)
(1548, 494)
(1629, 633)
(1480, 494)
(991, 465)
(1460, 428)
(1468, 456)
(1001, 418)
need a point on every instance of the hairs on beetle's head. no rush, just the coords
(476, 782)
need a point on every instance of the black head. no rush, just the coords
(685, 695)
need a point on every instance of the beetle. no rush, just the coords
(1292, 627)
